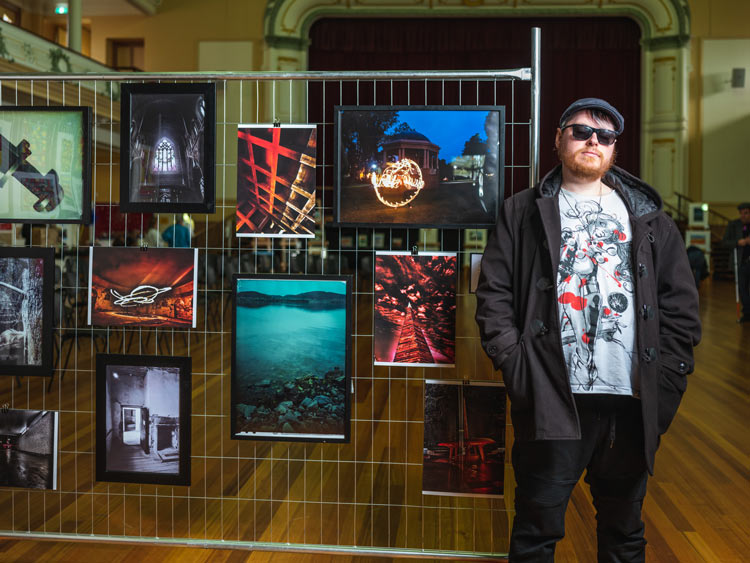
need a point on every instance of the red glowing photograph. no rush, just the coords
(464, 438)
(276, 181)
(415, 309)
(134, 287)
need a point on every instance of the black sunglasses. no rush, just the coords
(583, 133)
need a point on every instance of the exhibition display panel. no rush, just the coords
(302, 377)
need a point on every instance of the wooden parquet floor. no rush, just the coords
(697, 505)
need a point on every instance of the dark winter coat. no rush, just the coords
(518, 316)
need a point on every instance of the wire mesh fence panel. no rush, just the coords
(365, 494)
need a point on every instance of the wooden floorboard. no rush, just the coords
(696, 509)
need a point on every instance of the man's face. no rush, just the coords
(745, 215)
(587, 160)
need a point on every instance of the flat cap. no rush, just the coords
(745, 205)
(595, 103)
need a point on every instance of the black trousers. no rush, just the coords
(611, 452)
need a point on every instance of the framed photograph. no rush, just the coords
(347, 241)
(464, 438)
(698, 215)
(412, 166)
(415, 309)
(276, 181)
(291, 357)
(474, 269)
(167, 144)
(45, 164)
(130, 286)
(27, 284)
(378, 240)
(29, 449)
(143, 419)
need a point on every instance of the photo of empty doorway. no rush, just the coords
(28, 456)
(143, 419)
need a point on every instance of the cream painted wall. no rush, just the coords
(171, 36)
(711, 22)
(726, 120)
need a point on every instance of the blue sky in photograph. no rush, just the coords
(447, 129)
(290, 287)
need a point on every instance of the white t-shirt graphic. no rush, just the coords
(595, 294)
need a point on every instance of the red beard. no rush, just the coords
(587, 168)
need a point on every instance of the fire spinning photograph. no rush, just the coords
(419, 166)
(134, 287)
(415, 309)
(464, 438)
(276, 181)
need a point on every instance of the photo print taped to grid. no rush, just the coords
(156, 287)
(291, 357)
(143, 406)
(26, 310)
(276, 180)
(412, 166)
(464, 438)
(45, 164)
(415, 309)
(29, 449)
(167, 139)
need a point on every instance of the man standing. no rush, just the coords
(177, 235)
(737, 236)
(586, 302)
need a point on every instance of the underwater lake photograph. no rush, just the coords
(290, 364)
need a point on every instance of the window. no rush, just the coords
(10, 14)
(125, 54)
(165, 159)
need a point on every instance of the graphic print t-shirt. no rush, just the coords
(595, 294)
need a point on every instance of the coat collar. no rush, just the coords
(641, 199)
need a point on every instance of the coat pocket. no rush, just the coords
(671, 387)
(514, 370)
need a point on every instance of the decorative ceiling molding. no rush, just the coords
(665, 23)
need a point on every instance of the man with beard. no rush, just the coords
(587, 305)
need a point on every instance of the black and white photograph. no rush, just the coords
(143, 419)
(29, 449)
(167, 145)
(26, 310)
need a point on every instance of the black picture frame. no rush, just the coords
(48, 152)
(463, 193)
(113, 462)
(30, 448)
(146, 105)
(328, 419)
(40, 292)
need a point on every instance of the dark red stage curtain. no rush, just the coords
(580, 57)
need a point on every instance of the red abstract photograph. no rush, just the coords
(415, 309)
(134, 287)
(276, 181)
